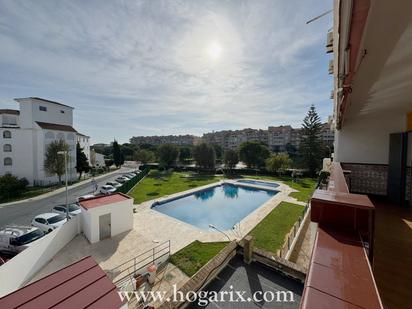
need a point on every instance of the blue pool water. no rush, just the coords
(260, 183)
(223, 206)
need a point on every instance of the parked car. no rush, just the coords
(47, 222)
(106, 189)
(132, 174)
(137, 171)
(114, 184)
(74, 209)
(128, 176)
(122, 179)
(85, 197)
(14, 239)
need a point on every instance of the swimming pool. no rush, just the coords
(222, 206)
(260, 183)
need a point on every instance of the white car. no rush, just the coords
(47, 222)
(106, 189)
(85, 197)
(114, 184)
(74, 209)
(122, 179)
(131, 174)
(128, 176)
(14, 239)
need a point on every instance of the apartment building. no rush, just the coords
(166, 139)
(367, 202)
(26, 133)
(277, 138)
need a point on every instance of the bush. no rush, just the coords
(11, 186)
(127, 186)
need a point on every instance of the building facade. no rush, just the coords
(277, 138)
(180, 140)
(26, 133)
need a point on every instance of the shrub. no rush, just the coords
(11, 186)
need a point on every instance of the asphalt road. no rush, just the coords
(23, 213)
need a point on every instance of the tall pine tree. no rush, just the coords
(82, 164)
(118, 158)
(311, 148)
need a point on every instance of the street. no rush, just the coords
(23, 213)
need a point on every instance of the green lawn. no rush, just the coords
(192, 257)
(158, 184)
(305, 186)
(270, 233)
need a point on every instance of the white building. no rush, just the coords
(84, 142)
(27, 132)
(96, 159)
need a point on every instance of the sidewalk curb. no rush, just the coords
(57, 191)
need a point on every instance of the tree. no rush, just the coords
(54, 163)
(82, 164)
(118, 158)
(230, 158)
(278, 163)
(218, 151)
(167, 155)
(311, 148)
(184, 154)
(253, 154)
(144, 156)
(204, 156)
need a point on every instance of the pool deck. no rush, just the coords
(152, 227)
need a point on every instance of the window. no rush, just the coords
(7, 148)
(43, 108)
(8, 161)
(6, 134)
(62, 111)
(41, 220)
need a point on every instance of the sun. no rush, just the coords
(214, 50)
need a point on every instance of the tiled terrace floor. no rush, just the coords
(393, 254)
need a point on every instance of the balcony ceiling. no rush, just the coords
(383, 81)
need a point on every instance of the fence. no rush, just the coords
(293, 233)
(123, 273)
(128, 185)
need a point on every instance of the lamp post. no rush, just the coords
(65, 172)
(220, 231)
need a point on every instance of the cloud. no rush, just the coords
(142, 67)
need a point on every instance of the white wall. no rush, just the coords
(366, 140)
(56, 113)
(20, 269)
(121, 219)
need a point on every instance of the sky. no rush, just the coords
(153, 67)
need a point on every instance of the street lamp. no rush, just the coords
(65, 153)
(220, 231)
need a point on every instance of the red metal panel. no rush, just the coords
(75, 286)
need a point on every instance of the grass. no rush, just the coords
(158, 184)
(270, 233)
(304, 186)
(192, 257)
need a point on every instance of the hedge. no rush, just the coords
(128, 185)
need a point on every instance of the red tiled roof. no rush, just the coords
(9, 111)
(54, 126)
(79, 285)
(103, 200)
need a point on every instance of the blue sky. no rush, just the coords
(167, 67)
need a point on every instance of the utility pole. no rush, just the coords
(66, 178)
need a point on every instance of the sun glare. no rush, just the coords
(214, 50)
